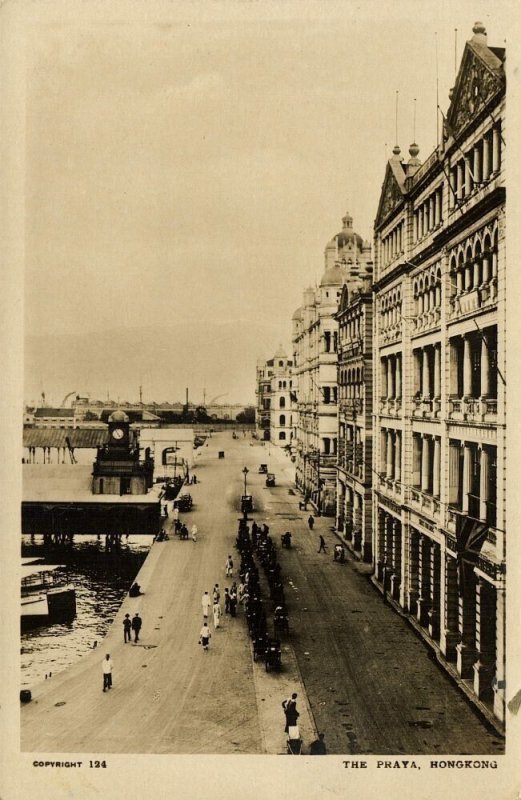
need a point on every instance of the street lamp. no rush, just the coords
(245, 473)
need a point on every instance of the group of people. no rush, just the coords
(291, 714)
(182, 531)
(213, 603)
(129, 626)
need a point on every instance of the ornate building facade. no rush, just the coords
(439, 361)
(275, 406)
(315, 353)
(355, 410)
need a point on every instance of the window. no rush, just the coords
(282, 420)
(282, 436)
(282, 402)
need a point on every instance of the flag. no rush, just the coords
(470, 537)
(293, 397)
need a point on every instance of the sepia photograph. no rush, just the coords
(261, 278)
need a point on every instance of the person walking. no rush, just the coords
(206, 603)
(136, 626)
(233, 604)
(205, 636)
(322, 548)
(311, 522)
(194, 532)
(106, 667)
(127, 629)
(175, 515)
(226, 601)
(229, 567)
(290, 711)
(216, 615)
(216, 594)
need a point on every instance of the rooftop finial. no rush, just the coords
(396, 121)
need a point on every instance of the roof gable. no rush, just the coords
(480, 77)
(393, 190)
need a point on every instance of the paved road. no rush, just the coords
(370, 683)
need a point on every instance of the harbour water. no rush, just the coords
(101, 580)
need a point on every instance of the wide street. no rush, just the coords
(362, 675)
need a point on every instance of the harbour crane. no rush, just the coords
(66, 398)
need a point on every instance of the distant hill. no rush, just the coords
(165, 359)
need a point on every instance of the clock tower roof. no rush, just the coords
(118, 416)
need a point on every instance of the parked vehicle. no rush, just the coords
(263, 469)
(184, 502)
(270, 479)
(272, 659)
(246, 503)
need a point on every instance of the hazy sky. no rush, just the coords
(182, 169)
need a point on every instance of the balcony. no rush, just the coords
(390, 487)
(391, 334)
(426, 407)
(473, 300)
(473, 409)
(351, 349)
(424, 502)
(427, 320)
(351, 406)
(391, 406)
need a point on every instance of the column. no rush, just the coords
(485, 269)
(398, 376)
(466, 649)
(380, 544)
(459, 180)
(436, 467)
(424, 584)
(389, 455)
(397, 559)
(468, 276)
(425, 476)
(459, 281)
(413, 577)
(438, 207)
(398, 456)
(467, 477)
(426, 389)
(484, 484)
(485, 367)
(453, 473)
(476, 276)
(484, 668)
(486, 158)
(357, 522)
(437, 370)
(496, 146)
(467, 367)
(449, 635)
(476, 164)
(468, 177)
(390, 377)
(434, 611)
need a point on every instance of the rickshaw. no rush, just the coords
(184, 502)
(259, 646)
(270, 479)
(272, 657)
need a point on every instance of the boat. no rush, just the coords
(44, 598)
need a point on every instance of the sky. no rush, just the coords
(186, 167)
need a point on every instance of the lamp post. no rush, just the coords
(245, 473)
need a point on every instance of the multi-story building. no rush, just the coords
(355, 409)
(275, 405)
(439, 383)
(315, 346)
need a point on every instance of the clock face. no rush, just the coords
(118, 433)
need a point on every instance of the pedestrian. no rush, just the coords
(311, 522)
(127, 628)
(240, 592)
(205, 636)
(175, 514)
(290, 711)
(233, 605)
(136, 626)
(216, 594)
(106, 667)
(216, 615)
(233, 589)
(318, 747)
(194, 532)
(226, 601)
(229, 567)
(206, 603)
(322, 548)
(184, 531)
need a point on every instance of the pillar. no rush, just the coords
(468, 177)
(449, 635)
(389, 455)
(485, 276)
(436, 467)
(484, 668)
(380, 544)
(413, 578)
(398, 376)
(390, 377)
(476, 164)
(484, 484)
(424, 581)
(426, 389)
(437, 207)
(485, 367)
(435, 575)
(467, 367)
(437, 370)
(466, 649)
(486, 158)
(453, 473)
(396, 577)
(496, 149)
(425, 476)
(476, 276)
(468, 276)
(467, 477)
(459, 282)
(459, 180)
(398, 456)
(499, 682)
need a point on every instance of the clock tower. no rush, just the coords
(117, 469)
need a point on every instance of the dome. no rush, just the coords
(334, 276)
(297, 314)
(281, 353)
(347, 234)
(118, 416)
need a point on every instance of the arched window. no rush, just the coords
(282, 402)
(282, 420)
(282, 435)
